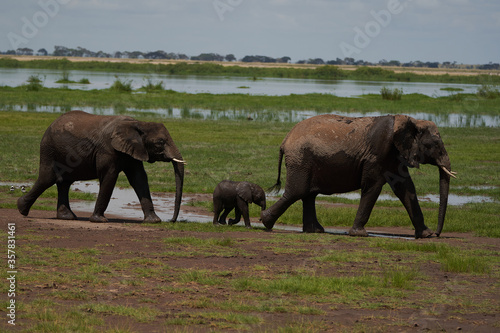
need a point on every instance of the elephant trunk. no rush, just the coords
(178, 164)
(444, 187)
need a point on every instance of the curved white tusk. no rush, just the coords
(450, 173)
(179, 161)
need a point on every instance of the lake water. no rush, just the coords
(229, 85)
(226, 85)
(441, 120)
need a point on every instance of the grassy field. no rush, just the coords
(255, 70)
(32, 96)
(227, 149)
(192, 277)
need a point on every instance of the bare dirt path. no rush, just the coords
(192, 305)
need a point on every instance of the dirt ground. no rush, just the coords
(124, 238)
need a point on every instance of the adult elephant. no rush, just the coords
(329, 154)
(81, 146)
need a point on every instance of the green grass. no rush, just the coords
(81, 289)
(182, 68)
(228, 150)
(156, 98)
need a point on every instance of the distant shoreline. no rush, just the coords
(414, 70)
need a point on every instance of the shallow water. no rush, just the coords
(226, 85)
(441, 120)
(124, 201)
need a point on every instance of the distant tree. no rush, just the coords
(393, 63)
(60, 51)
(208, 57)
(230, 57)
(317, 61)
(300, 62)
(337, 61)
(284, 60)
(10, 52)
(136, 55)
(258, 58)
(156, 55)
(182, 56)
(42, 52)
(24, 51)
(349, 61)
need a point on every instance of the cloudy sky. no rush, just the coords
(465, 31)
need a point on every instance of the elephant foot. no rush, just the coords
(98, 218)
(232, 222)
(64, 213)
(265, 219)
(21, 206)
(153, 218)
(359, 232)
(314, 230)
(424, 234)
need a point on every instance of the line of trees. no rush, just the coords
(83, 52)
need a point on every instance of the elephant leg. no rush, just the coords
(242, 210)
(46, 179)
(309, 219)
(138, 179)
(272, 214)
(106, 186)
(64, 212)
(369, 196)
(405, 191)
(237, 216)
(227, 210)
(217, 210)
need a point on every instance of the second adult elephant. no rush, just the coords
(329, 154)
(81, 146)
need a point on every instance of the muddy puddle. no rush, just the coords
(124, 201)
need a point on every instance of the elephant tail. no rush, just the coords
(277, 187)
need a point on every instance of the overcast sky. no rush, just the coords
(465, 31)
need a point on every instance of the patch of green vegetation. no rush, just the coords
(488, 91)
(114, 98)
(391, 94)
(34, 83)
(326, 72)
(451, 89)
(121, 86)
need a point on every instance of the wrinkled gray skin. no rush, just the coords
(330, 154)
(229, 194)
(81, 146)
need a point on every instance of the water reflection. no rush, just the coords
(442, 120)
(227, 85)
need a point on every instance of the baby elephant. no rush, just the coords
(229, 194)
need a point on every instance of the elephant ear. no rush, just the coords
(405, 139)
(244, 191)
(127, 139)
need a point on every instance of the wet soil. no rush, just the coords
(127, 238)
